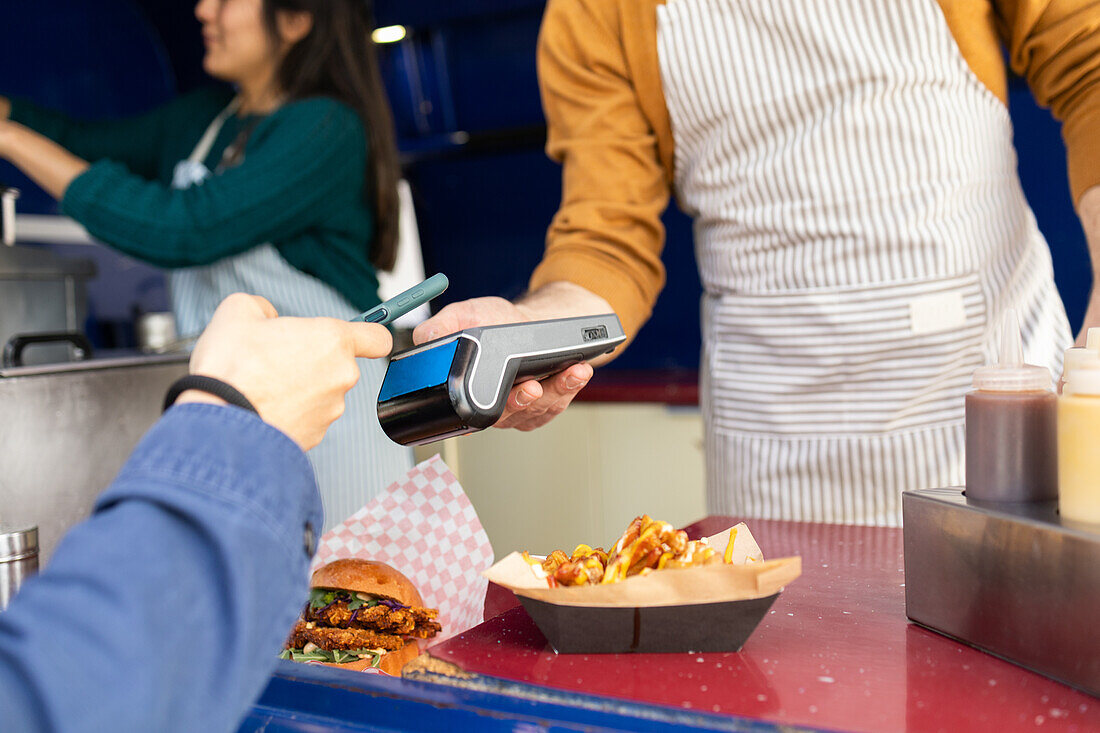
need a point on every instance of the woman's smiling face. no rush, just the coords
(238, 47)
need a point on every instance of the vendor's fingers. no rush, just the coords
(540, 413)
(522, 396)
(557, 394)
(560, 389)
(490, 311)
(528, 395)
(535, 415)
(574, 378)
(448, 320)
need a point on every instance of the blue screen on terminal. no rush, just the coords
(424, 369)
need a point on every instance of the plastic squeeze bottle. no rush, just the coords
(1079, 356)
(1078, 433)
(1092, 340)
(1074, 357)
(1011, 427)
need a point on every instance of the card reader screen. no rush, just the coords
(424, 369)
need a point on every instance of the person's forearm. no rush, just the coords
(563, 299)
(1088, 208)
(42, 160)
(184, 583)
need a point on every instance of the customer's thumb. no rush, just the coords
(368, 340)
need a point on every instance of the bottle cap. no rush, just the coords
(1010, 373)
(1092, 339)
(1077, 357)
(1083, 376)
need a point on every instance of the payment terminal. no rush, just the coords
(459, 384)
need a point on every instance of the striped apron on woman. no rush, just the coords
(859, 228)
(356, 460)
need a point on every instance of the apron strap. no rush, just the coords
(206, 142)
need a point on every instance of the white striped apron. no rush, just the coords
(356, 461)
(859, 228)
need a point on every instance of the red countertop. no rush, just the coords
(678, 387)
(835, 651)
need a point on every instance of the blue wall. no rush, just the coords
(1042, 163)
(92, 59)
(465, 97)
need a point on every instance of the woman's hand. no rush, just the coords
(42, 160)
(295, 371)
(7, 136)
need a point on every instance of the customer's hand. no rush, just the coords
(531, 404)
(295, 371)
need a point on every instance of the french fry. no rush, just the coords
(729, 545)
(646, 545)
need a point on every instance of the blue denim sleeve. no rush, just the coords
(167, 608)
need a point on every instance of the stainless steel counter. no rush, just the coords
(66, 429)
(1013, 579)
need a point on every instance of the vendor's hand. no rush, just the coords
(531, 404)
(295, 371)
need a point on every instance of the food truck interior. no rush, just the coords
(461, 80)
(464, 94)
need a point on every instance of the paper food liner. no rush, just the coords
(425, 526)
(749, 576)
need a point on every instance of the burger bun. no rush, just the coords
(367, 576)
(391, 664)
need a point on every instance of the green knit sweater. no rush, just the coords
(300, 186)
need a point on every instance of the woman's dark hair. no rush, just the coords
(338, 59)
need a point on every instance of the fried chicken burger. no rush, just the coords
(361, 614)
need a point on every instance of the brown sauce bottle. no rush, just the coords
(1012, 428)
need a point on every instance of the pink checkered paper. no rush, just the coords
(425, 526)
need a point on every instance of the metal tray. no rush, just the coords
(1012, 579)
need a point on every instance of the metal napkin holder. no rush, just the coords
(1012, 579)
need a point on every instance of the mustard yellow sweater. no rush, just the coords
(608, 124)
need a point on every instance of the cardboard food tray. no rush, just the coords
(709, 608)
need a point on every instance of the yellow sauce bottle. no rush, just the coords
(1078, 441)
(1075, 358)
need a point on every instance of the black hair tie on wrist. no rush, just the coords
(216, 387)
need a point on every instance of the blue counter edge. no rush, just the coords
(304, 698)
